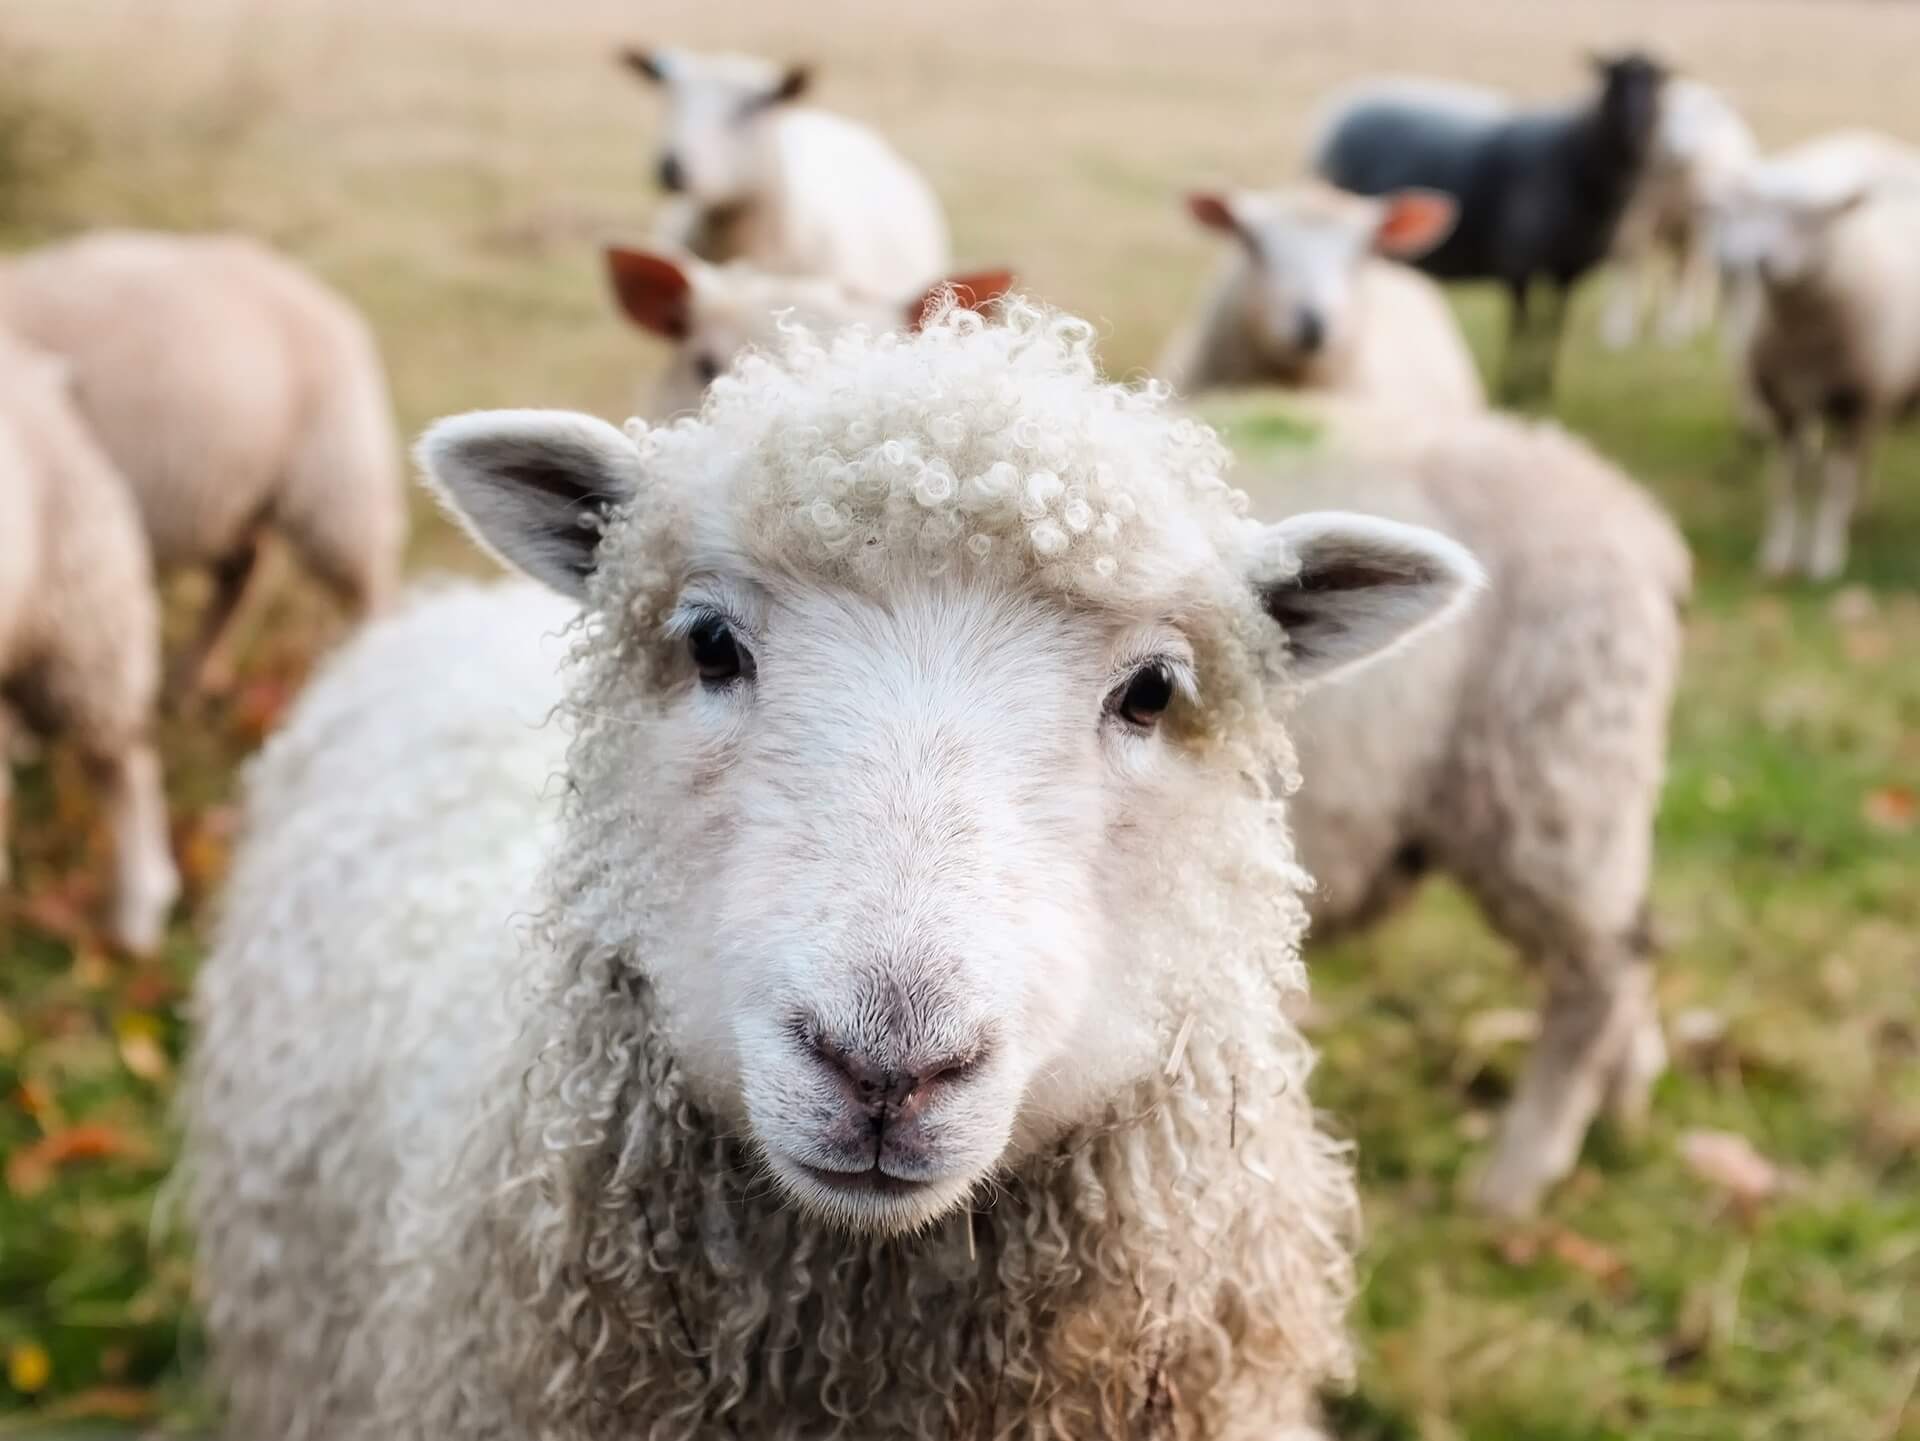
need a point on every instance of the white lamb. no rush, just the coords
(784, 186)
(1309, 301)
(872, 1021)
(711, 314)
(238, 396)
(1666, 240)
(1520, 751)
(1830, 233)
(80, 627)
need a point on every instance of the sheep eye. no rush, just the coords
(1145, 697)
(716, 656)
(707, 368)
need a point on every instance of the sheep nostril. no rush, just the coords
(879, 1089)
(1312, 330)
(672, 176)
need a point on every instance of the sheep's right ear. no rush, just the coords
(1213, 210)
(1412, 222)
(975, 290)
(647, 64)
(656, 293)
(1349, 588)
(533, 487)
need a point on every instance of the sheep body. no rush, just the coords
(1521, 751)
(532, 1187)
(1378, 329)
(1540, 193)
(1829, 234)
(787, 187)
(235, 394)
(1701, 148)
(80, 626)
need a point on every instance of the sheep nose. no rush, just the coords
(890, 1093)
(1312, 330)
(672, 176)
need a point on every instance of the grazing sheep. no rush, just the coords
(784, 186)
(1540, 192)
(1830, 234)
(712, 313)
(238, 396)
(1701, 148)
(872, 1022)
(1307, 301)
(1520, 751)
(80, 628)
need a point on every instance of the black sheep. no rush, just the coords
(1540, 192)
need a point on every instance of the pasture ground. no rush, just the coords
(453, 166)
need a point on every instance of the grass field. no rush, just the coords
(453, 165)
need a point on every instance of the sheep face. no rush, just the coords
(1305, 247)
(919, 815)
(1631, 86)
(712, 145)
(1782, 237)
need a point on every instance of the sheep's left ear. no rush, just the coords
(533, 487)
(1412, 222)
(975, 290)
(1348, 588)
(792, 85)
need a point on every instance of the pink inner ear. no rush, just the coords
(973, 291)
(1415, 221)
(653, 291)
(1212, 211)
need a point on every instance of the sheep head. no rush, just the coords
(927, 717)
(1304, 247)
(711, 147)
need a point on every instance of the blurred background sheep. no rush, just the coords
(1735, 1264)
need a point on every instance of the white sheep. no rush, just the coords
(871, 1022)
(238, 396)
(1309, 301)
(1830, 234)
(710, 314)
(80, 627)
(1520, 751)
(785, 186)
(1666, 241)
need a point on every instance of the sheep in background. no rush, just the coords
(1308, 301)
(1830, 234)
(711, 313)
(80, 628)
(913, 873)
(1540, 192)
(1701, 148)
(784, 186)
(1520, 751)
(238, 396)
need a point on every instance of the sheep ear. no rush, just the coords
(533, 487)
(647, 64)
(1355, 587)
(1412, 222)
(975, 290)
(1213, 210)
(792, 85)
(656, 293)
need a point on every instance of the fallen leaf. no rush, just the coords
(140, 1047)
(1589, 1258)
(57, 915)
(1730, 1162)
(29, 1368)
(1890, 808)
(31, 1169)
(258, 707)
(205, 845)
(105, 1403)
(91, 970)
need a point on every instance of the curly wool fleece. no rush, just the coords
(601, 1257)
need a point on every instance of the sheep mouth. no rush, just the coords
(871, 1182)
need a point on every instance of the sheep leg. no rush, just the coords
(1629, 1096)
(1519, 343)
(1848, 447)
(1626, 300)
(1792, 465)
(1593, 1014)
(146, 884)
(1693, 290)
(207, 665)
